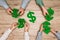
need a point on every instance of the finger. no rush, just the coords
(15, 24)
(9, 13)
(21, 13)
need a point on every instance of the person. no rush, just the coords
(54, 32)
(38, 2)
(8, 31)
(4, 4)
(26, 34)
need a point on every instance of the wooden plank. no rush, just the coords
(18, 34)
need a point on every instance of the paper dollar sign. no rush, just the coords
(30, 15)
(21, 23)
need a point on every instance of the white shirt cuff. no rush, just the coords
(26, 36)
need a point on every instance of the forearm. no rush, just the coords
(24, 3)
(39, 36)
(40, 3)
(26, 36)
(4, 4)
(6, 34)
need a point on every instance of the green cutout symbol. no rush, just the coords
(50, 14)
(47, 30)
(32, 18)
(21, 23)
(15, 13)
(48, 17)
(46, 27)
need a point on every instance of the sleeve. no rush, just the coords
(25, 3)
(26, 36)
(40, 2)
(39, 36)
(57, 35)
(4, 4)
(5, 35)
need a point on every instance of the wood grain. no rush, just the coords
(18, 34)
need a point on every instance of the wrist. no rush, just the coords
(22, 8)
(12, 28)
(43, 7)
(7, 8)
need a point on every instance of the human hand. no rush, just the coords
(44, 11)
(26, 27)
(21, 11)
(9, 10)
(13, 26)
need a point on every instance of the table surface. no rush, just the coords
(18, 34)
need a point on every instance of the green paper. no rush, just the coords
(32, 18)
(45, 26)
(50, 14)
(47, 30)
(50, 11)
(21, 23)
(48, 17)
(46, 23)
(15, 13)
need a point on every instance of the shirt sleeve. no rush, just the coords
(40, 2)
(4, 4)
(26, 36)
(57, 35)
(25, 3)
(5, 35)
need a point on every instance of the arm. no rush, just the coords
(39, 34)
(26, 36)
(23, 6)
(41, 5)
(7, 32)
(4, 4)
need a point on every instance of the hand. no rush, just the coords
(13, 26)
(41, 28)
(9, 10)
(21, 11)
(44, 11)
(26, 27)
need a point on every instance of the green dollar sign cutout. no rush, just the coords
(48, 17)
(50, 14)
(15, 13)
(30, 15)
(46, 26)
(21, 23)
